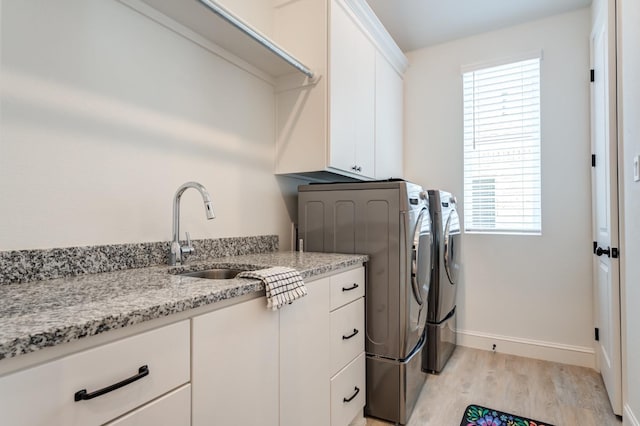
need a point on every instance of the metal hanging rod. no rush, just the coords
(236, 22)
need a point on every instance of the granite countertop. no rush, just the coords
(40, 314)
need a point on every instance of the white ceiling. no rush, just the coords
(414, 24)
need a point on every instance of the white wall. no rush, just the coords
(530, 295)
(105, 113)
(629, 119)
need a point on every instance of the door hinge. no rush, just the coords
(592, 75)
(614, 252)
(597, 334)
(595, 247)
(593, 160)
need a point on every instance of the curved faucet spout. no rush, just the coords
(178, 252)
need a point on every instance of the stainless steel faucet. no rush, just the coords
(178, 252)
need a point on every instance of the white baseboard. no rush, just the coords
(359, 420)
(548, 351)
(628, 418)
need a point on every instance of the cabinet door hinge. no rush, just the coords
(595, 247)
(597, 334)
(593, 160)
(592, 75)
(614, 252)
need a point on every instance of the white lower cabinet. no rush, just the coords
(254, 366)
(235, 366)
(173, 409)
(304, 358)
(67, 391)
(321, 343)
(239, 365)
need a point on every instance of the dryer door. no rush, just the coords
(421, 257)
(448, 277)
(452, 246)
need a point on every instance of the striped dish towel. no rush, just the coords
(283, 285)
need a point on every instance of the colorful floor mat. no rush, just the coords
(477, 415)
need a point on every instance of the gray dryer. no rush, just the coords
(441, 313)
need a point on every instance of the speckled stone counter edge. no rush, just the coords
(73, 325)
(20, 266)
(33, 342)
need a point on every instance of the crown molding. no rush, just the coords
(379, 34)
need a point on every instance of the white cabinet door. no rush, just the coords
(352, 95)
(235, 366)
(388, 118)
(304, 358)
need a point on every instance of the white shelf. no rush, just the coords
(213, 22)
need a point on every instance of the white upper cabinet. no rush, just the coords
(337, 75)
(352, 95)
(332, 124)
(388, 120)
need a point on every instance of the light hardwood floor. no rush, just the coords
(563, 395)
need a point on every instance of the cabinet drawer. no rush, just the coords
(50, 388)
(346, 287)
(172, 409)
(347, 334)
(348, 392)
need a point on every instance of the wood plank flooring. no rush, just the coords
(563, 395)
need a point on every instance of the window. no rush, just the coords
(502, 148)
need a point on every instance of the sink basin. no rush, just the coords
(214, 274)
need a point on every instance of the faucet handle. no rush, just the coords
(188, 248)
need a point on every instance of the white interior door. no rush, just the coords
(605, 208)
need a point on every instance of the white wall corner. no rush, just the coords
(628, 418)
(529, 348)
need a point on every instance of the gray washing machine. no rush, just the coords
(441, 313)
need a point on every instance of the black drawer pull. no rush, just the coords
(355, 331)
(83, 395)
(353, 287)
(357, 391)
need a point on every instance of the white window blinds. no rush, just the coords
(502, 148)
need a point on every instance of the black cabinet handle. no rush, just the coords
(353, 287)
(600, 251)
(355, 331)
(357, 391)
(83, 395)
